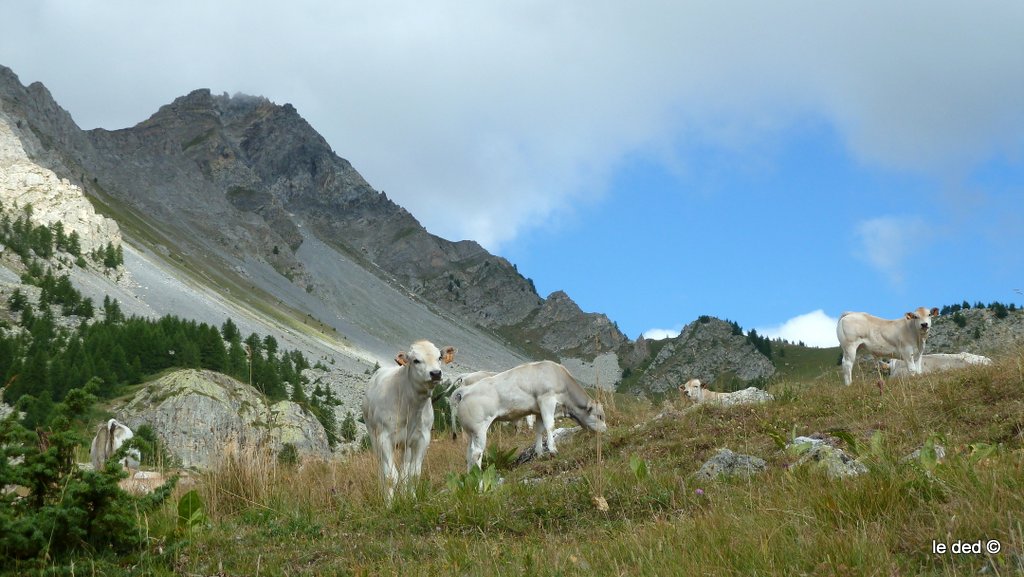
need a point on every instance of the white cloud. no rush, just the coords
(814, 329)
(887, 242)
(486, 119)
(659, 334)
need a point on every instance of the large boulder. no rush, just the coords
(197, 414)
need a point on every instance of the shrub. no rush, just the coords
(67, 510)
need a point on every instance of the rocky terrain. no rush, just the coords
(198, 413)
(983, 332)
(233, 184)
(707, 349)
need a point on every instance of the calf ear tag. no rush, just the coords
(448, 355)
(401, 359)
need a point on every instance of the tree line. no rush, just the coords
(49, 356)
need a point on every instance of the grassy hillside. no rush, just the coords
(545, 518)
(794, 363)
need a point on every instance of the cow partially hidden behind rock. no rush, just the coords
(698, 392)
(934, 363)
(109, 438)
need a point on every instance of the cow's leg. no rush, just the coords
(475, 448)
(849, 357)
(547, 418)
(416, 451)
(917, 366)
(538, 447)
(385, 456)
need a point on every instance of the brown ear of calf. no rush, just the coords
(448, 354)
(401, 359)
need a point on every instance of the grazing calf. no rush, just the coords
(109, 438)
(935, 363)
(398, 412)
(903, 338)
(529, 389)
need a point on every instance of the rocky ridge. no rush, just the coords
(707, 349)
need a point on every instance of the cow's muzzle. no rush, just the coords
(435, 376)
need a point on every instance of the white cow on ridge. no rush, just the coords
(398, 413)
(109, 438)
(935, 363)
(903, 337)
(529, 389)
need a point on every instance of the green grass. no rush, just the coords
(330, 519)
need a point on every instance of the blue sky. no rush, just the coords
(771, 163)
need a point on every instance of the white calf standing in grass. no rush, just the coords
(109, 438)
(903, 338)
(398, 412)
(529, 389)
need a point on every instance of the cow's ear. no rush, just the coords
(590, 407)
(401, 359)
(935, 311)
(703, 385)
(448, 354)
(910, 316)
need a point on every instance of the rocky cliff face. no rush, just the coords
(983, 332)
(196, 414)
(706, 349)
(53, 199)
(236, 179)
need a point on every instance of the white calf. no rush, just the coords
(398, 413)
(529, 389)
(453, 402)
(903, 337)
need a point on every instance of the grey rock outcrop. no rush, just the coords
(707, 349)
(728, 464)
(983, 332)
(747, 396)
(198, 414)
(53, 199)
(833, 461)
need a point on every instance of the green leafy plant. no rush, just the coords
(639, 467)
(473, 481)
(191, 512)
(498, 458)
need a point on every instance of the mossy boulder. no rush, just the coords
(198, 413)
